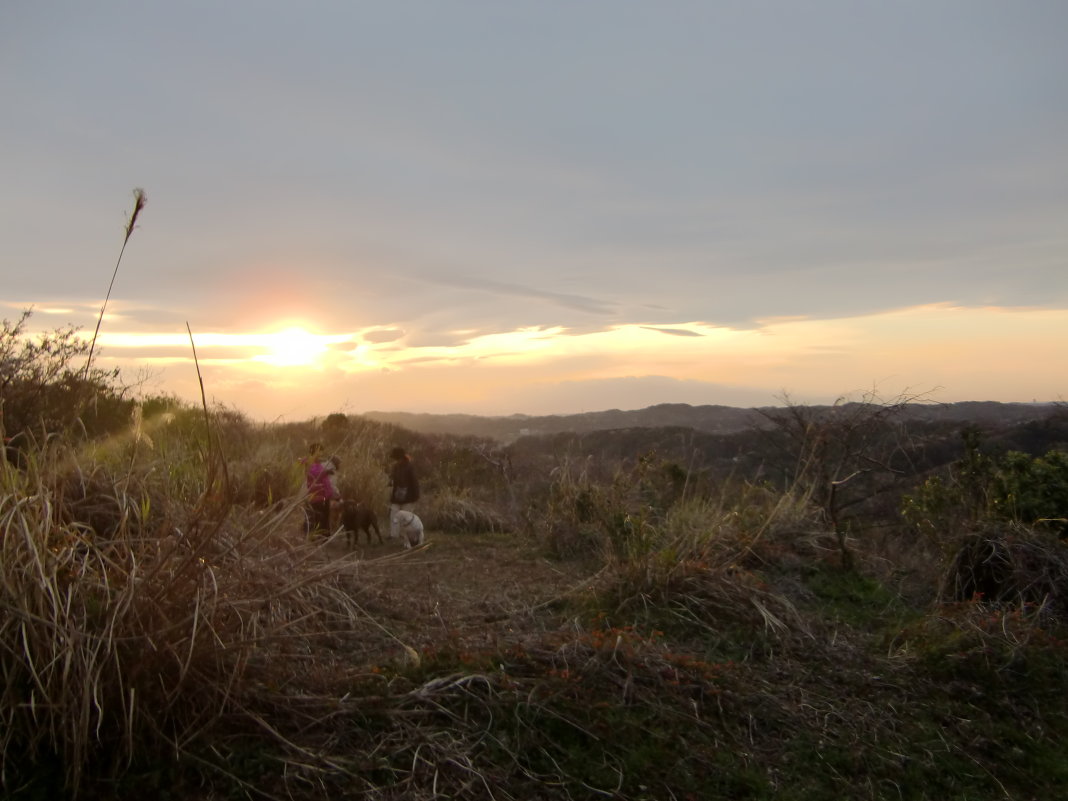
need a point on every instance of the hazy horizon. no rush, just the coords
(547, 208)
(779, 405)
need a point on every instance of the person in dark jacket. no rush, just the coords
(403, 488)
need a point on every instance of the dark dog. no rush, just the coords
(355, 517)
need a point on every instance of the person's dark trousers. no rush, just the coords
(317, 517)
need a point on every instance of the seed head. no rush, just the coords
(140, 199)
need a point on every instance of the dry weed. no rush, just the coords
(458, 511)
(136, 637)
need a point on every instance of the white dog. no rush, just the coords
(409, 527)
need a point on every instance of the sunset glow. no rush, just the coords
(939, 348)
(293, 347)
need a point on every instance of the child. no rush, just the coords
(321, 490)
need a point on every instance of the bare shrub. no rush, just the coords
(843, 458)
(1009, 563)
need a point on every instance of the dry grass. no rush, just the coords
(448, 510)
(689, 653)
(137, 636)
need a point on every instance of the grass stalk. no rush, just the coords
(140, 198)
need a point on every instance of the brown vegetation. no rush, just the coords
(591, 617)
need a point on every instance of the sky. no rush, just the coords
(545, 207)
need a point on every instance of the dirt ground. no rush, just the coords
(466, 590)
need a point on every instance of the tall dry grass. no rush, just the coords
(131, 633)
(693, 561)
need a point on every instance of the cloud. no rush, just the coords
(382, 335)
(678, 332)
(343, 347)
(567, 301)
(424, 340)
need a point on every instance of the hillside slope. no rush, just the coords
(707, 418)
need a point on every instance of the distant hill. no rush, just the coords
(711, 419)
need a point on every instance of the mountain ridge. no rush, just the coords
(709, 418)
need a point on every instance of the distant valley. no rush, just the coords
(707, 418)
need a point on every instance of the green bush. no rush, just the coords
(1012, 487)
(1033, 490)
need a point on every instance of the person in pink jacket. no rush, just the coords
(321, 490)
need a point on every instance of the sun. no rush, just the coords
(292, 347)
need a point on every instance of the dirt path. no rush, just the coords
(467, 590)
